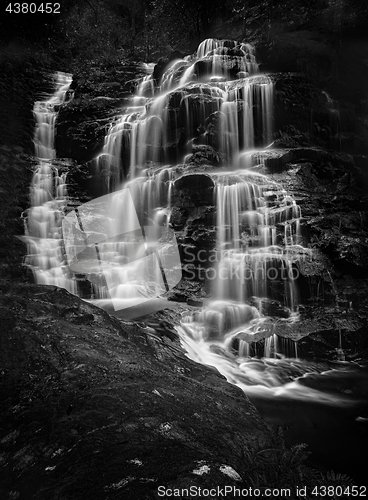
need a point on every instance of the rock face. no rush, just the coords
(22, 81)
(329, 187)
(96, 406)
(193, 116)
(98, 97)
(82, 125)
(15, 176)
(331, 190)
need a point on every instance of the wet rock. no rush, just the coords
(353, 250)
(178, 218)
(101, 405)
(115, 82)
(297, 98)
(195, 188)
(329, 345)
(239, 84)
(15, 177)
(81, 126)
(204, 155)
(164, 62)
(229, 66)
(22, 81)
(274, 160)
(193, 291)
(270, 307)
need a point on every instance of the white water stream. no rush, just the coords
(48, 197)
(259, 239)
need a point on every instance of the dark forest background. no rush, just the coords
(112, 31)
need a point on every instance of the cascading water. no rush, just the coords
(259, 240)
(48, 196)
(160, 128)
(258, 244)
(216, 99)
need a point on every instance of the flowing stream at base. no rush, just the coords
(259, 238)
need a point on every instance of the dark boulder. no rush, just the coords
(92, 405)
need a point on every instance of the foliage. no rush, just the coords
(282, 467)
(110, 31)
(134, 29)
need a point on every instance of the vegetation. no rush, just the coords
(283, 467)
(109, 31)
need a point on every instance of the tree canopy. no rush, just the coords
(103, 30)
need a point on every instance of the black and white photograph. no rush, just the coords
(184, 249)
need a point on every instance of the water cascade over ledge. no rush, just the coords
(215, 99)
(48, 196)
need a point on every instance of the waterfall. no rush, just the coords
(123, 243)
(251, 259)
(127, 263)
(48, 197)
(189, 91)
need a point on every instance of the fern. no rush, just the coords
(282, 467)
